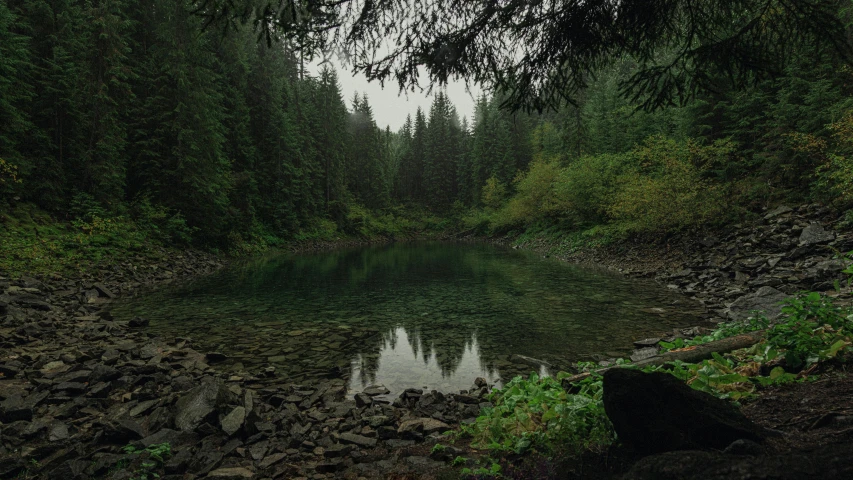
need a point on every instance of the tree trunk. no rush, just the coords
(695, 354)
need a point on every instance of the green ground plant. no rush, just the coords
(537, 413)
(157, 454)
(492, 470)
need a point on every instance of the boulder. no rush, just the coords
(656, 412)
(197, 404)
(766, 299)
(814, 234)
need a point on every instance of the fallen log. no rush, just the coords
(691, 355)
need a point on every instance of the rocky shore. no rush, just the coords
(85, 396)
(740, 268)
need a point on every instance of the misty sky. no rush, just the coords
(391, 109)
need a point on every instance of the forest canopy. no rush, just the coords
(199, 122)
(544, 52)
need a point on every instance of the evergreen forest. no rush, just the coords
(119, 115)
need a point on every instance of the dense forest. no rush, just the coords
(117, 110)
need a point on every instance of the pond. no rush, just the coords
(432, 315)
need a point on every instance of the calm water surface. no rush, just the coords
(425, 315)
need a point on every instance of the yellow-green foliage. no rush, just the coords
(587, 185)
(835, 172)
(535, 195)
(8, 172)
(660, 185)
(666, 189)
(494, 193)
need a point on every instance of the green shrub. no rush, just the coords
(538, 413)
(666, 189)
(588, 184)
(834, 174)
(493, 193)
(535, 198)
(161, 223)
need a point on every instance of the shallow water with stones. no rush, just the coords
(431, 315)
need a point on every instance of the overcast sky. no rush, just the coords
(391, 109)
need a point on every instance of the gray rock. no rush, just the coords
(647, 342)
(234, 421)
(432, 425)
(376, 390)
(359, 440)
(15, 408)
(397, 443)
(337, 450)
(104, 291)
(780, 210)
(643, 353)
(58, 432)
(272, 460)
(103, 373)
(232, 473)
(815, 234)
(766, 299)
(197, 404)
(363, 400)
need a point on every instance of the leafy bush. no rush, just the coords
(8, 177)
(162, 223)
(535, 196)
(666, 188)
(538, 413)
(493, 193)
(588, 184)
(661, 185)
(814, 331)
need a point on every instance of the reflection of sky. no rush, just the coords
(404, 362)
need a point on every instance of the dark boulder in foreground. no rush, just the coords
(656, 412)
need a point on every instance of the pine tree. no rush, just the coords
(418, 153)
(179, 136)
(101, 160)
